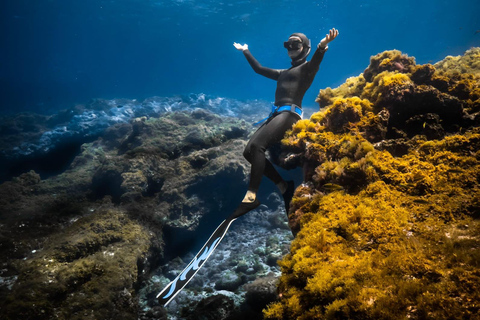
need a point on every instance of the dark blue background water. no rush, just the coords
(55, 53)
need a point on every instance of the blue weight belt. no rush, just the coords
(276, 110)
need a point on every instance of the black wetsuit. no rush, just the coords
(292, 84)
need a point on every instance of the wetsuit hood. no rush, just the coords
(306, 49)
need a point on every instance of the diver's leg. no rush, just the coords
(270, 133)
(257, 163)
(274, 176)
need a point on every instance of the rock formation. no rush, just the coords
(387, 219)
(83, 243)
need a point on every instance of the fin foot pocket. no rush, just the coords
(245, 207)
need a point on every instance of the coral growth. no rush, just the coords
(388, 218)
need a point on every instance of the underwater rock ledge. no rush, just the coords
(81, 244)
(48, 143)
(387, 220)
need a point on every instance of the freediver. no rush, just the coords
(292, 84)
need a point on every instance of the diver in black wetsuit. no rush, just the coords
(292, 84)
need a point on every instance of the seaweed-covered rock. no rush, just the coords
(393, 61)
(89, 270)
(399, 91)
(48, 143)
(467, 63)
(386, 222)
(79, 245)
(167, 160)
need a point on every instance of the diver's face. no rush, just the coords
(293, 54)
(294, 46)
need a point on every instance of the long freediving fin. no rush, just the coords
(174, 287)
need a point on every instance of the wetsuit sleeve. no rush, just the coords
(317, 59)
(258, 68)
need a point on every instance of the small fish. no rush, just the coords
(332, 187)
(477, 32)
(399, 66)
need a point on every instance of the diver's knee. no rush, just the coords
(247, 153)
(252, 150)
(255, 148)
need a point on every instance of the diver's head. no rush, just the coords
(294, 46)
(298, 46)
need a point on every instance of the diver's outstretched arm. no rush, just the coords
(256, 66)
(321, 49)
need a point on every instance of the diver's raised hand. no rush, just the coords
(240, 47)
(332, 34)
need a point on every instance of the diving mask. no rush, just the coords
(293, 44)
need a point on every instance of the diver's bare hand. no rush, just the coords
(329, 37)
(240, 47)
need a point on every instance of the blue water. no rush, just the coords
(56, 53)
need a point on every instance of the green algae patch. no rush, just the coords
(88, 271)
(387, 221)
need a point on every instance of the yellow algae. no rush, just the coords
(382, 235)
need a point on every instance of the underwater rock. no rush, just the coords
(392, 61)
(48, 142)
(386, 222)
(89, 269)
(229, 281)
(403, 103)
(26, 133)
(466, 63)
(164, 165)
(261, 292)
(155, 313)
(97, 229)
(217, 307)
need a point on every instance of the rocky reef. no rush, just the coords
(100, 237)
(48, 143)
(387, 221)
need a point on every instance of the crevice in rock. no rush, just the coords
(219, 194)
(47, 164)
(105, 183)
